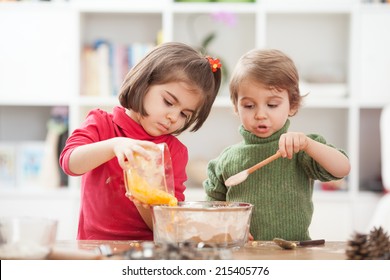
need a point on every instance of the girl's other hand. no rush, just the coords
(124, 149)
(291, 143)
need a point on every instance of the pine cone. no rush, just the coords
(378, 244)
(372, 246)
(357, 247)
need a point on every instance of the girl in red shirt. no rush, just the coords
(170, 90)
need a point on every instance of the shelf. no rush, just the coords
(189, 8)
(98, 101)
(118, 7)
(336, 103)
(372, 104)
(308, 7)
(15, 101)
(34, 5)
(39, 193)
(375, 7)
(340, 47)
(309, 102)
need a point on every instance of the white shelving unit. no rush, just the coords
(340, 48)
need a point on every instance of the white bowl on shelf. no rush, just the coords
(26, 238)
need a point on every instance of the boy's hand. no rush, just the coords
(291, 143)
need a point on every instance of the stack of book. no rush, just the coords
(105, 65)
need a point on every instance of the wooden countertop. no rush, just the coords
(268, 250)
(254, 250)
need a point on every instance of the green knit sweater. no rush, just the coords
(281, 191)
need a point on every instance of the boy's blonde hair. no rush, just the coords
(172, 62)
(270, 67)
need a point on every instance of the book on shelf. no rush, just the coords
(21, 163)
(7, 165)
(104, 62)
(105, 65)
(137, 51)
(30, 157)
(89, 76)
(120, 66)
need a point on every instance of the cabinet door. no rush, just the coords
(37, 53)
(375, 55)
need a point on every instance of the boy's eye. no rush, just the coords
(272, 105)
(248, 106)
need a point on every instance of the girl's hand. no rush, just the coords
(291, 143)
(143, 209)
(124, 149)
(137, 202)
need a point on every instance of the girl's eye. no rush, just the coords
(184, 115)
(166, 101)
(272, 105)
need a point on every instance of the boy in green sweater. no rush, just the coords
(264, 89)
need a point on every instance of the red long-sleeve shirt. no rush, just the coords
(105, 212)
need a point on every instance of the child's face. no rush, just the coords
(262, 111)
(169, 107)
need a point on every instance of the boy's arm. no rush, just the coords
(329, 158)
(214, 186)
(335, 162)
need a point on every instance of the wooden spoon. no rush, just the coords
(241, 177)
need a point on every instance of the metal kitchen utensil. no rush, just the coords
(173, 251)
(147, 250)
(285, 244)
(241, 176)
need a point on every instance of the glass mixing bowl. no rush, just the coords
(217, 223)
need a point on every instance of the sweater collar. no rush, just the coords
(131, 128)
(250, 138)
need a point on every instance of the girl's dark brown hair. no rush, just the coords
(271, 68)
(172, 62)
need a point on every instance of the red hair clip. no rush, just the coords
(215, 64)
